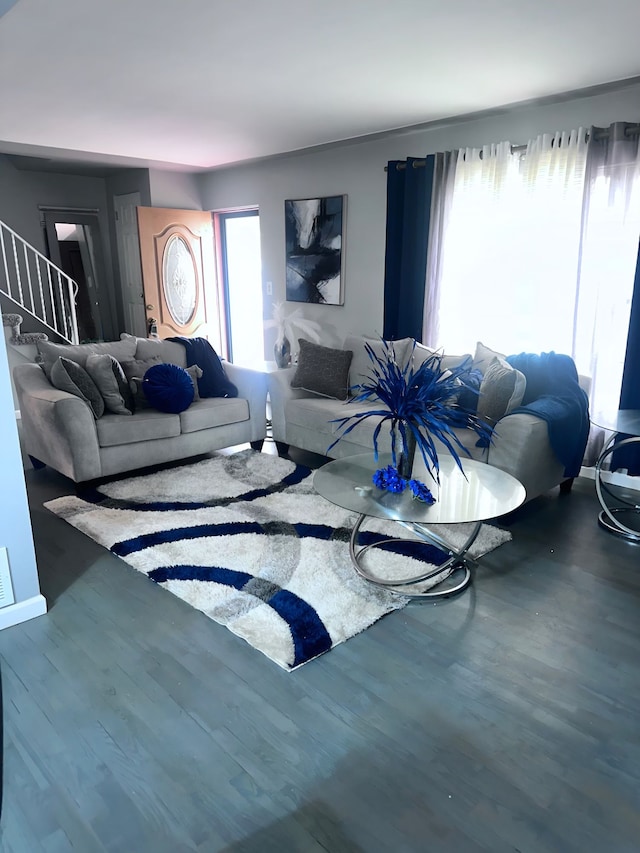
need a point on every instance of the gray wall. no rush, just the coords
(175, 189)
(357, 170)
(21, 192)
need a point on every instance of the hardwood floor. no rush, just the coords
(506, 719)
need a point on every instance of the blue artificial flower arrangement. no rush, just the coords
(389, 479)
(418, 405)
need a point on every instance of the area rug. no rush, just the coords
(245, 539)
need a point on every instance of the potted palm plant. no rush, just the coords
(419, 406)
(288, 327)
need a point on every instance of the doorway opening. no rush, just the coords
(74, 244)
(241, 274)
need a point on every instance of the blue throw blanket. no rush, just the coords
(213, 382)
(554, 394)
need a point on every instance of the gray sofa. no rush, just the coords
(60, 429)
(306, 420)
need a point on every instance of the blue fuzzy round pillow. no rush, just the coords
(168, 388)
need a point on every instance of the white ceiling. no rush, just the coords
(201, 83)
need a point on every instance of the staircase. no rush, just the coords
(32, 287)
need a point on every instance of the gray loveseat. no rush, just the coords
(303, 419)
(60, 429)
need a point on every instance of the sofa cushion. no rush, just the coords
(484, 356)
(148, 348)
(195, 373)
(317, 413)
(106, 372)
(213, 412)
(501, 390)
(142, 426)
(322, 370)
(67, 375)
(361, 365)
(134, 370)
(49, 352)
(469, 393)
(168, 388)
(422, 353)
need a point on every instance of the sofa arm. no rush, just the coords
(57, 428)
(252, 386)
(521, 447)
(280, 392)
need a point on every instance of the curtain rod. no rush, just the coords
(632, 130)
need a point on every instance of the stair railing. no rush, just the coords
(39, 287)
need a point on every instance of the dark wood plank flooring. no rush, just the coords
(506, 719)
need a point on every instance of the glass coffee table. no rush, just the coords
(484, 493)
(620, 512)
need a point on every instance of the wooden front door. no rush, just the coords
(178, 273)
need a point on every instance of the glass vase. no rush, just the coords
(407, 455)
(410, 469)
(282, 352)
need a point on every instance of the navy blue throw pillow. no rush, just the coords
(213, 382)
(168, 388)
(468, 394)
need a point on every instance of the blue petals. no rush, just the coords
(389, 480)
(421, 492)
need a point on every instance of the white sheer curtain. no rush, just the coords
(539, 253)
(512, 247)
(611, 230)
(442, 196)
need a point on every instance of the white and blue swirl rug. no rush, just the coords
(245, 539)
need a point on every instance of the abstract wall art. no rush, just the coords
(314, 234)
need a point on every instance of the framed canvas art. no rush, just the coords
(314, 235)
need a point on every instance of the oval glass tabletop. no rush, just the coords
(625, 420)
(482, 492)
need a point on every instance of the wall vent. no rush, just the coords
(6, 587)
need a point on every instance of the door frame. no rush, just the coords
(221, 218)
(49, 217)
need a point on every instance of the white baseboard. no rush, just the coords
(14, 614)
(613, 477)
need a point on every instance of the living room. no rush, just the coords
(498, 721)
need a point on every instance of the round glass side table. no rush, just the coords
(480, 493)
(620, 513)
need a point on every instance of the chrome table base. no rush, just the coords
(611, 516)
(456, 562)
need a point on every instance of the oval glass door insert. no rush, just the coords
(179, 280)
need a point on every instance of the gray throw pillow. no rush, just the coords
(135, 370)
(361, 365)
(484, 356)
(448, 362)
(106, 372)
(48, 352)
(195, 373)
(68, 376)
(501, 390)
(322, 370)
(147, 348)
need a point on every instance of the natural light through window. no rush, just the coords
(538, 258)
(244, 278)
